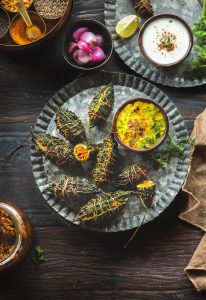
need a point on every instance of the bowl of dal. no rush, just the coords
(140, 125)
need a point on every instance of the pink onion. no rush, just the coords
(89, 38)
(84, 46)
(100, 40)
(78, 32)
(83, 57)
(97, 56)
(72, 47)
(75, 56)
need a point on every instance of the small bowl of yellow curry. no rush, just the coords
(140, 125)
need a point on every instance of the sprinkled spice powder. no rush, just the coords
(51, 9)
(7, 235)
(4, 22)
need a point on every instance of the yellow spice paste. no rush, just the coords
(10, 5)
(140, 125)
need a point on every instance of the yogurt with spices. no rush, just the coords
(166, 40)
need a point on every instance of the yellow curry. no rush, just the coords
(141, 125)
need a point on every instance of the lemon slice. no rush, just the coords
(127, 26)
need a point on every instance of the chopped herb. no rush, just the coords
(38, 257)
(166, 41)
(170, 21)
(162, 158)
(146, 143)
(157, 128)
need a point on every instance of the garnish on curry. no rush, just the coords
(141, 125)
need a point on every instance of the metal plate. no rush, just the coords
(128, 49)
(76, 97)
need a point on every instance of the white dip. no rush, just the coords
(166, 40)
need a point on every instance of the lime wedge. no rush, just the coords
(127, 26)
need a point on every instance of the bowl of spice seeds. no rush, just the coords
(4, 22)
(51, 9)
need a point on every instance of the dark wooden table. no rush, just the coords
(83, 265)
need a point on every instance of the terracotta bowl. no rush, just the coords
(116, 135)
(149, 21)
(95, 27)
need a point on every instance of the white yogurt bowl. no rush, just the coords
(165, 40)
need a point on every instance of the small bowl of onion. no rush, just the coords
(87, 44)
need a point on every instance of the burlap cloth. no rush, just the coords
(194, 212)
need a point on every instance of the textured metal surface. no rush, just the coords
(76, 96)
(128, 49)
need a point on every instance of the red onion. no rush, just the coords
(100, 40)
(89, 38)
(75, 56)
(83, 57)
(87, 47)
(72, 47)
(78, 32)
(97, 56)
(84, 46)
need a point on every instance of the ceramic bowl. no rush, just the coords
(151, 59)
(97, 28)
(117, 137)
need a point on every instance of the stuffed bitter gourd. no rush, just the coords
(73, 187)
(55, 149)
(101, 105)
(105, 161)
(131, 175)
(70, 126)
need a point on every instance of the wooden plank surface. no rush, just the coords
(82, 265)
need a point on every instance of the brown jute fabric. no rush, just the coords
(194, 212)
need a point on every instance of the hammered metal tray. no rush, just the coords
(128, 49)
(76, 96)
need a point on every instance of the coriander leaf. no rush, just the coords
(163, 157)
(38, 257)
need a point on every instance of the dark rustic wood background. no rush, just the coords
(83, 265)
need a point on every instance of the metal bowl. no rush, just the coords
(114, 126)
(35, 18)
(97, 28)
(53, 27)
